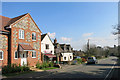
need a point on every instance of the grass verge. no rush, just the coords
(49, 68)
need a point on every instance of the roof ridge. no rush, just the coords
(12, 20)
(4, 16)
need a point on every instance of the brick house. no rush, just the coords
(24, 40)
(3, 41)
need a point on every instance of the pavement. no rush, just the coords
(103, 70)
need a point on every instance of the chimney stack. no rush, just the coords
(55, 41)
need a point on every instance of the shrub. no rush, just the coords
(38, 65)
(14, 68)
(25, 68)
(51, 64)
(79, 61)
(44, 65)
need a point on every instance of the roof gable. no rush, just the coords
(25, 20)
(15, 19)
(43, 36)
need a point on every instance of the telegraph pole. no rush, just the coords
(119, 28)
(88, 47)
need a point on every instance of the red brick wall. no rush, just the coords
(4, 48)
(15, 41)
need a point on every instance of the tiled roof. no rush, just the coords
(26, 47)
(62, 44)
(3, 22)
(42, 36)
(15, 19)
(50, 55)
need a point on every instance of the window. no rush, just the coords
(47, 46)
(64, 58)
(70, 57)
(34, 54)
(21, 34)
(1, 55)
(33, 36)
(16, 54)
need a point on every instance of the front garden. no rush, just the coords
(13, 69)
(46, 66)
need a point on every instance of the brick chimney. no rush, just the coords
(55, 40)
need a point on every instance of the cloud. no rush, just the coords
(52, 35)
(103, 41)
(65, 39)
(87, 34)
(98, 41)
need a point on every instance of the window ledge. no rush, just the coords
(33, 57)
(15, 58)
(33, 40)
(21, 38)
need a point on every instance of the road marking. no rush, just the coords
(110, 71)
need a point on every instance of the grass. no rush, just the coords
(15, 74)
(49, 68)
(102, 58)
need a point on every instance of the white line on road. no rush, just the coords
(110, 71)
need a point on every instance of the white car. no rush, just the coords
(92, 60)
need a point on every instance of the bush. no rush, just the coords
(44, 65)
(51, 64)
(38, 65)
(14, 68)
(79, 61)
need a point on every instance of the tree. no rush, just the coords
(91, 50)
(117, 32)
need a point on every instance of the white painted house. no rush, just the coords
(47, 47)
(67, 57)
(67, 54)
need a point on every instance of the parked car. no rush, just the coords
(92, 60)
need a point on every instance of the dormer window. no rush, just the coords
(21, 34)
(34, 36)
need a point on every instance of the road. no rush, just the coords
(102, 70)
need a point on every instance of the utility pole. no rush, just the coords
(119, 28)
(88, 47)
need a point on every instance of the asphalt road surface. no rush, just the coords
(101, 70)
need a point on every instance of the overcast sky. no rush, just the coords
(71, 22)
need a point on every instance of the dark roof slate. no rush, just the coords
(42, 36)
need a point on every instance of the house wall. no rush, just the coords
(27, 24)
(67, 55)
(45, 41)
(4, 48)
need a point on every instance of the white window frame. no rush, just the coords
(33, 33)
(32, 54)
(2, 54)
(65, 57)
(21, 34)
(17, 55)
(47, 45)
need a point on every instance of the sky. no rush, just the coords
(71, 22)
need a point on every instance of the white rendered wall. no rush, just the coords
(67, 55)
(45, 41)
